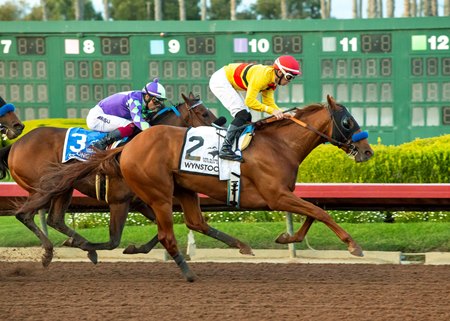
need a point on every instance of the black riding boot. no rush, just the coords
(226, 152)
(110, 138)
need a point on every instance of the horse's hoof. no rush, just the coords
(190, 276)
(131, 249)
(47, 258)
(246, 250)
(356, 251)
(92, 255)
(283, 238)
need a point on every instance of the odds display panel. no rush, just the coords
(392, 74)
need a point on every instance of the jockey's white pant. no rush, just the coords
(98, 120)
(230, 98)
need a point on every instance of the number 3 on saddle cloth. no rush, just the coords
(78, 141)
(200, 155)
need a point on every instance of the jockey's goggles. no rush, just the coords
(157, 101)
(287, 76)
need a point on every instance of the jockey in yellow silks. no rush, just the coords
(237, 86)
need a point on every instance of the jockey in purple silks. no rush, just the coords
(121, 113)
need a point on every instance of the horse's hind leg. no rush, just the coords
(28, 220)
(195, 221)
(56, 220)
(145, 210)
(167, 238)
(299, 236)
(118, 216)
(155, 188)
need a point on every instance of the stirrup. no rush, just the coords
(231, 156)
(100, 145)
(103, 143)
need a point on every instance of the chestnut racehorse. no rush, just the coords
(149, 164)
(36, 152)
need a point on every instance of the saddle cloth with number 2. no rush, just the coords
(200, 152)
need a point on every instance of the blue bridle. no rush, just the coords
(167, 109)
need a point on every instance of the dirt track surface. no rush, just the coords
(224, 291)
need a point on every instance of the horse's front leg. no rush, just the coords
(299, 236)
(195, 221)
(288, 202)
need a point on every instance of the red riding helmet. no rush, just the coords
(287, 65)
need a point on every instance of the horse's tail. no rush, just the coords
(4, 168)
(60, 179)
(108, 163)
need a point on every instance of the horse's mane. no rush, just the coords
(310, 109)
(299, 114)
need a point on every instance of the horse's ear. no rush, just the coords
(186, 100)
(331, 101)
(191, 96)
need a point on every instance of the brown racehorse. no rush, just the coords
(268, 174)
(44, 147)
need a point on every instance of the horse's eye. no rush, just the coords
(346, 123)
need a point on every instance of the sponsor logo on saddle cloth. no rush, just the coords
(78, 141)
(200, 155)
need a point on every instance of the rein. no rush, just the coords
(190, 108)
(313, 129)
(331, 140)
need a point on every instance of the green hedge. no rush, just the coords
(421, 161)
